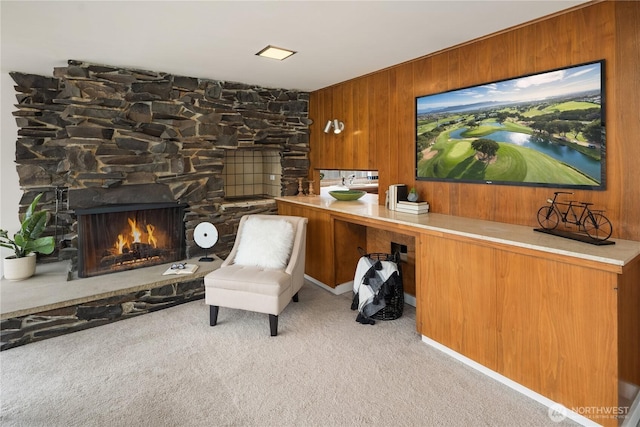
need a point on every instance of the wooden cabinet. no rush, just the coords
(458, 297)
(320, 248)
(556, 317)
(557, 329)
(548, 325)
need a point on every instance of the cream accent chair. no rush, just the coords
(254, 287)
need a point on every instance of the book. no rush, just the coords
(411, 211)
(397, 192)
(414, 205)
(181, 268)
(401, 193)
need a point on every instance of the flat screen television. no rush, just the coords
(545, 129)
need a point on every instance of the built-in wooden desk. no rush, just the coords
(557, 316)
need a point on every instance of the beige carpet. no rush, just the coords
(170, 368)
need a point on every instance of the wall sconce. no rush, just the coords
(336, 124)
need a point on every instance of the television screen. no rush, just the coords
(544, 129)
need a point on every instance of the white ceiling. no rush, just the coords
(335, 40)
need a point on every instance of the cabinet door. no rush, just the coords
(457, 297)
(319, 252)
(557, 329)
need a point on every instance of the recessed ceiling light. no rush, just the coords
(275, 52)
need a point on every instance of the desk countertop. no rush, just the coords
(619, 254)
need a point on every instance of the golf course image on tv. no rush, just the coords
(544, 129)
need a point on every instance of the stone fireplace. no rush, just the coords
(104, 136)
(124, 237)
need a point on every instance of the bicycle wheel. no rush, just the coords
(548, 217)
(598, 226)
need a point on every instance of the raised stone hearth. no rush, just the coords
(47, 305)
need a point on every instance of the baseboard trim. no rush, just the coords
(338, 290)
(555, 409)
(348, 287)
(409, 299)
(633, 417)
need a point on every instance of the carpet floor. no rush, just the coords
(170, 368)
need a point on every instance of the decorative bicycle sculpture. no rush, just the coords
(592, 222)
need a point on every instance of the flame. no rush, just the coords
(135, 235)
(135, 231)
(120, 244)
(151, 239)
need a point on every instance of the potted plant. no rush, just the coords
(26, 243)
(413, 195)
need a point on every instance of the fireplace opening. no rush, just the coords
(125, 237)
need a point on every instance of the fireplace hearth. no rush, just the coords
(124, 237)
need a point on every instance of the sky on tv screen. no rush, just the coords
(524, 89)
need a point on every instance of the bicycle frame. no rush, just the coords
(571, 210)
(594, 224)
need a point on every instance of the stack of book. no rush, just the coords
(412, 207)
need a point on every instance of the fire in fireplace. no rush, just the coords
(124, 237)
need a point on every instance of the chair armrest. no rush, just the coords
(296, 264)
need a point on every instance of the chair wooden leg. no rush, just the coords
(213, 315)
(273, 324)
(295, 297)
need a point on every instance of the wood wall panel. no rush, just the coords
(380, 126)
(367, 158)
(627, 120)
(502, 64)
(522, 64)
(604, 30)
(341, 143)
(404, 100)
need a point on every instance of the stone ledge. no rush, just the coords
(32, 312)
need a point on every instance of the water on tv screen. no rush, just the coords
(544, 129)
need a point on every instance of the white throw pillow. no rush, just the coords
(265, 243)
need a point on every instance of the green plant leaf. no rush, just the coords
(34, 225)
(28, 239)
(43, 245)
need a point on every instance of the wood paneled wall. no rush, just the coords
(378, 110)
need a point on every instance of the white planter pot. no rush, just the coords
(19, 268)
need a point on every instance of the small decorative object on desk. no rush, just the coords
(347, 195)
(590, 226)
(413, 195)
(300, 188)
(181, 268)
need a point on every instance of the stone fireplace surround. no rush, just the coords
(104, 135)
(96, 135)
